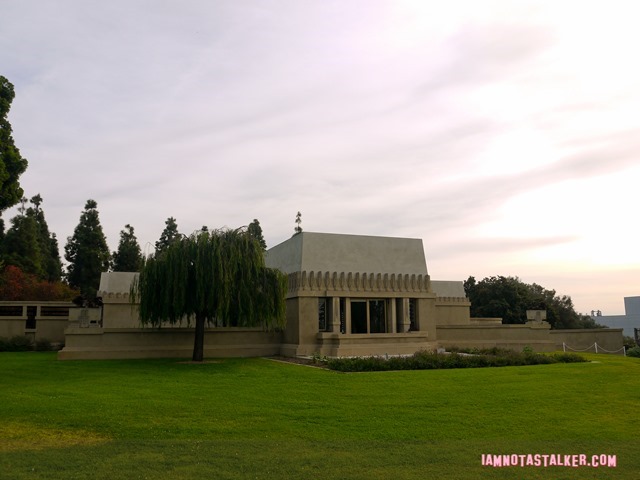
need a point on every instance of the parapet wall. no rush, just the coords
(537, 336)
(114, 343)
(514, 337)
(608, 340)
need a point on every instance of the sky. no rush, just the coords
(505, 135)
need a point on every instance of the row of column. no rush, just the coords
(397, 315)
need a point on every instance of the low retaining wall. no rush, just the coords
(515, 337)
(609, 340)
(113, 343)
(536, 336)
(36, 320)
(341, 345)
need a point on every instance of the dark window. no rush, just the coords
(54, 311)
(11, 311)
(343, 321)
(412, 315)
(358, 316)
(377, 317)
(322, 314)
(31, 318)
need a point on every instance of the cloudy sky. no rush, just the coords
(504, 134)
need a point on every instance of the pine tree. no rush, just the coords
(168, 236)
(30, 246)
(12, 165)
(255, 230)
(21, 245)
(49, 252)
(128, 257)
(87, 252)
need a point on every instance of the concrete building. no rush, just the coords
(628, 322)
(347, 295)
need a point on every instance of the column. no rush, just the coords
(335, 314)
(347, 315)
(391, 320)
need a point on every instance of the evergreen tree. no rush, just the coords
(87, 252)
(168, 236)
(128, 257)
(21, 245)
(12, 165)
(29, 245)
(49, 252)
(255, 230)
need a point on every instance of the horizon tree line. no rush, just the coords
(29, 246)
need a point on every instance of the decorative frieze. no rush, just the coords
(357, 282)
(449, 300)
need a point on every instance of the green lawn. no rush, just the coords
(256, 418)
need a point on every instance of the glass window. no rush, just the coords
(31, 318)
(322, 314)
(377, 317)
(412, 315)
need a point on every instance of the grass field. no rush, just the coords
(257, 418)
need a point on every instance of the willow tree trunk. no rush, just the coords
(198, 341)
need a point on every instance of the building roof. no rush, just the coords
(330, 252)
(448, 288)
(116, 282)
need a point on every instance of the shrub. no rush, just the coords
(4, 344)
(633, 352)
(568, 357)
(43, 345)
(629, 342)
(19, 343)
(425, 360)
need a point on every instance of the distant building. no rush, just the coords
(628, 321)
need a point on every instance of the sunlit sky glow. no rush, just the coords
(504, 134)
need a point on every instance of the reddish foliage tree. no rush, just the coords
(16, 285)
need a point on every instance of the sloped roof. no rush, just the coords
(448, 288)
(330, 252)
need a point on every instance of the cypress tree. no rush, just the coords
(168, 235)
(49, 252)
(255, 230)
(87, 252)
(128, 257)
(30, 246)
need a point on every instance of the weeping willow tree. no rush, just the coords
(217, 278)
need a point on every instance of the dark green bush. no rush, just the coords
(4, 344)
(43, 345)
(629, 342)
(424, 360)
(633, 352)
(19, 343)
(568, 357)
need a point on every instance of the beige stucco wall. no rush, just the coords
(350, 345)
(47, 328)
(515, 337)
(610, 339)
(452, 311)
(99, 343)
